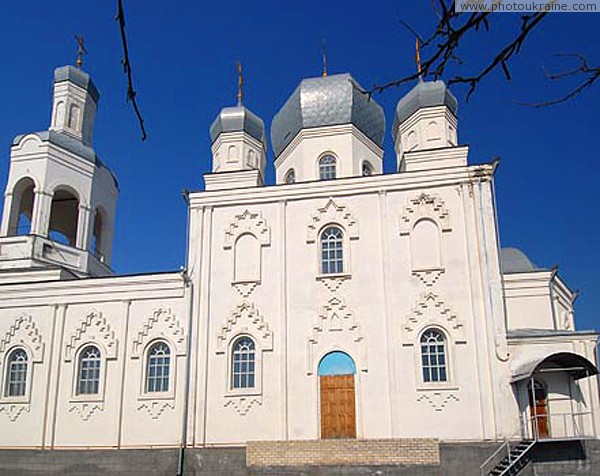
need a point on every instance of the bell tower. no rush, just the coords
(60, 199)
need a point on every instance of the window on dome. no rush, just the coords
(88, 376)
(367, 169)
(290, 176)
(243, 364)
(332, 250)
(16, 374)
(433, 356)
(327, 167)
(158, 368)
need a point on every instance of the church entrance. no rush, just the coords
(538, 409)
(338, 406)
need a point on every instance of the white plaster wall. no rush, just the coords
(114, 314)
(345, 142)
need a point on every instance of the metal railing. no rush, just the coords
(559, 426)
(571, 425)
(508, 445)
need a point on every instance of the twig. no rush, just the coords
(131, 94)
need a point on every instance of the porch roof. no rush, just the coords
(576, 365)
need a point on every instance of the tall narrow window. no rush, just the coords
(243, 370)
(88, 377)
(16, 374)
(433, 356)
(332, 250)
(327, 167)
(158, 368)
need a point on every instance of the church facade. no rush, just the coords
(340, 302)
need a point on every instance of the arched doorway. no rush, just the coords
(338, 406)
(538, 408)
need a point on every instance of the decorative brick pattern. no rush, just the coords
(409, 451)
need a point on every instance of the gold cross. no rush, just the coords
(80, 51)
(240, 83)
(324, 48)
(418, 57)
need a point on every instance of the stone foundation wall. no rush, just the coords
(343, 452)
(555, 459)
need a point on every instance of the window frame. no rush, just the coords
(145, 360)
(6, 374)
(449, 383)
(366, 163)
(323, 156)
(346, 273)
(229, 388)
(291, 171)
(335, 261)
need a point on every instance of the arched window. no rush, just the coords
(64, 216)
(158, 368)
(433, 356)
(290, 176)
(243, 363)
(367, 169)
(327, 167)
(88, 376)
(332, 250)
(16, 374)
(21, 214)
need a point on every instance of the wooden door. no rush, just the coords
(338, 413)
(538, 410)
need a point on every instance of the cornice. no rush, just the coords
(398, 181)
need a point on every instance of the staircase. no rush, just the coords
(513, 460)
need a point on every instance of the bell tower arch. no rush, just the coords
(60, 199)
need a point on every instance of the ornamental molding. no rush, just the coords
(163, 323)
(428, 276)
(245, 289)
(336, 326)
(424, 206)
(242, 405)
(14, 410)
(332, 213)
(93, 328)
(431, 310)
(24, 331)
(438, 400)
(245, 319)
(156, 408)
(248, 222)
(86, 410)
(333, 283)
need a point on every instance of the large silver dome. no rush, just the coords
(326, 101)
(424, 94)
(238, 119)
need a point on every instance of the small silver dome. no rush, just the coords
(513, 260)
(238, 119)
(326, 101)
(424, 94)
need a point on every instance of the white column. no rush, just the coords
(6, 214)
(83, 228)
(42, 205)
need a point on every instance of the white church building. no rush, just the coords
(339, 302)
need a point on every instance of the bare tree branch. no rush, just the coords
(591, 75)
(131, 94)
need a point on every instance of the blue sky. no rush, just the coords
(184, 53)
